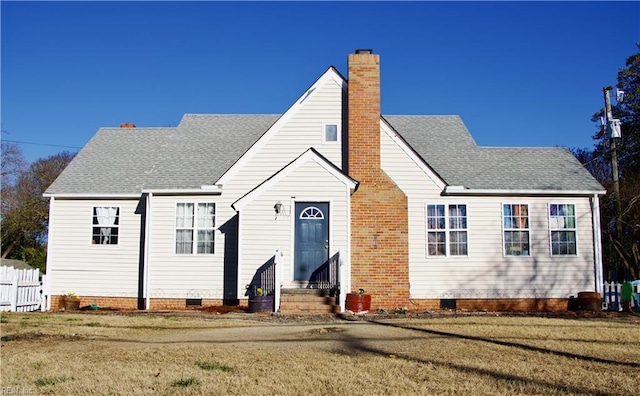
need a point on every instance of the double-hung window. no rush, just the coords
(447, 230)
(106, 223)
(562, 225)
(515, 221)
(195, 226)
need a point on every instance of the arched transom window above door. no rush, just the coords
(311, 213)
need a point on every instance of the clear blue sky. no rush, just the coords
(518, 73)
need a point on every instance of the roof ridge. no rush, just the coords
(524, 147)
(133, 129)
(231, 114)
(422, 115)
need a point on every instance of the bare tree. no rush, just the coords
(25, 212)
(13, 161)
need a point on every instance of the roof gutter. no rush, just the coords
(185, 191)
(92, 195)
(461, 190)
(204, 189)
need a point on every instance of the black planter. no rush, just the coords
(260, 303)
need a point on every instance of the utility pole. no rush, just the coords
(614, 167)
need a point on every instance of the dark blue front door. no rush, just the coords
(311, 238)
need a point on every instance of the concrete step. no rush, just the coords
(311, 301)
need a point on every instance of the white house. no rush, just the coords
(328, 195)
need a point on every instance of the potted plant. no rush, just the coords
(358, 302)
(259, 302)
(71, 301)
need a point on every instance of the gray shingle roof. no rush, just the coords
(445, 144)
(196, 152)
(17, 264)
(115, 161)
(203, 147)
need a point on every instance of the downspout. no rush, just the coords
(278, 280)
(597, 244)
(49, 273)
(345, 260)
(147, 248)
(239, 265)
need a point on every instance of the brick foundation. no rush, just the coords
(131, 303)
(414, 305)
(180, 303)
(379, 222)
(495, 305)
(104, 302)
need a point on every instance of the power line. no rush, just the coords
(41, 144)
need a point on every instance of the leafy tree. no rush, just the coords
(620, 251)
(25, 212)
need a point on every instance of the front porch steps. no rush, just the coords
(307, 301)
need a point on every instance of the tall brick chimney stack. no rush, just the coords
(379, 217)
(364, 115)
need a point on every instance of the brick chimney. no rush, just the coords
(127, 125)
(379, 217)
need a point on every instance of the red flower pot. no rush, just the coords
(358, 303)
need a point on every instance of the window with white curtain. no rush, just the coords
(447, 230)
(106, 223)
(195, 226)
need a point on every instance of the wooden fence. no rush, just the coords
(21, 290)
(612, 299)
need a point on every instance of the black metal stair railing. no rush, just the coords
(327, 276)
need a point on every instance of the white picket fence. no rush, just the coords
(21, 290)
(612, 300)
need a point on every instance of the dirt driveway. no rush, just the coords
(378, 335)
(329, 336)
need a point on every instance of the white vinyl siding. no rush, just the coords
(208, 276)
(170, 275)
(302, 130)
(263, 231)
(487, 272)
(77, 264)
(173, 275)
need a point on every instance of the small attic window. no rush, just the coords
(330, 132)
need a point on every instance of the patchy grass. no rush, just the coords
(210, 366)
(472, 354)
(185, 382)
(49, 381)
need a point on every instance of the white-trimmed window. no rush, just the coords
(562, 226)
(515, 222)
(106, 224)
(330, 132)
(447, 230)
(195, 226)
